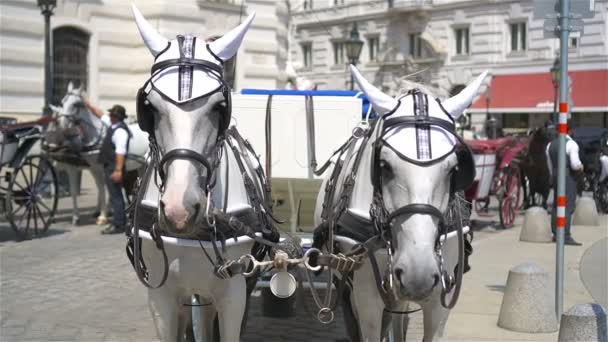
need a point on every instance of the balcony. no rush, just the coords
(357, 10)
(408, 5)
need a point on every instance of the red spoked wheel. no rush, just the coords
(510, 202)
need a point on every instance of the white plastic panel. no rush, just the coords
(485, 164)
(8, 149)
(335, 117)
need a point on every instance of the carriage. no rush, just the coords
(590, 141)
(28, 184)
(498, 174)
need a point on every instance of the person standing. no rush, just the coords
(604, 161)
(112, 155)
(573, 166)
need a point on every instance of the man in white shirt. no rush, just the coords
(574, 166)
(112, 154)
(604, 162)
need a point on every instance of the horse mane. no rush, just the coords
(538, 142)
(406, 85)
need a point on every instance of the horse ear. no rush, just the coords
(456, 104)
(153, 40)
(227, 46)
(70, 86)
(382, 103)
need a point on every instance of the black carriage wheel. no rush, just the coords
(32, 197)
(601, 197)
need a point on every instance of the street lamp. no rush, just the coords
(46, 8)
(353, 47)
(555, 79)
(491, 131)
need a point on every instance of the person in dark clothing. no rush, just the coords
(573, 166)
(114, 148)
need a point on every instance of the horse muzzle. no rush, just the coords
(416, 285)
(178, 219)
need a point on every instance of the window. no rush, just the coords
(462, 41)
(338, 53)
(308, 4)
(307, 54)
(70, 60)
(373, 44)
(338, 2)
(518, 36)
(573, 43)
(415, 45)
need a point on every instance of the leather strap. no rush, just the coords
(182, 153)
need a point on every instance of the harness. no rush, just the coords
(461, 178)
(218, 222)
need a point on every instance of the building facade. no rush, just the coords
(445, 43)
(96, 43)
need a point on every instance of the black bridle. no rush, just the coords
(382, 219)
(160, 161)
(209, 161)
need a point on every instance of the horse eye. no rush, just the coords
(220, 106)
(385, 166)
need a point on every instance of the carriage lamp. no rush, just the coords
(46, 8)
(555, 79)
(353, 46)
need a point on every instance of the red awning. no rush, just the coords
(533, 93)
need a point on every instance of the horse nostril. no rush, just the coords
(398, 273)
(194, 215)
(436, 278)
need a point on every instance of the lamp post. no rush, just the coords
(46, 8)
(555, 80)
(491, 132)
(353, 47)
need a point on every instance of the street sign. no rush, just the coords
(544, 9)
(551, 27)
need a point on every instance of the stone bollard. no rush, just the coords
(528, 304)
(584, 323)
(585, 213)
(537, 226)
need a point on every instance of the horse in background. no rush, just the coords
(536, 178)
(73, 140)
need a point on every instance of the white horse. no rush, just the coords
(74, 139)
(184, 106)
(409, 182)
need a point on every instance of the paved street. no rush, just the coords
(76, 285)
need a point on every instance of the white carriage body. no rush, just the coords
(334, 116)
(485, 165)
(8, 148)
(293, 182)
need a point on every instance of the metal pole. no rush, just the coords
(554, 117)
(352, 78)
(560, 223)
(48, 60)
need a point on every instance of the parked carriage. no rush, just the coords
(28, 185)
(498, 174)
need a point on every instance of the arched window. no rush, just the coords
(70, 59)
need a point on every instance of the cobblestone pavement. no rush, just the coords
(74, 284)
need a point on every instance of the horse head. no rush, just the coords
(415, 171)
(185, 107)
(65, 128)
